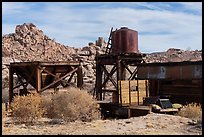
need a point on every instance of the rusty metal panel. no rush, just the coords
(124, 40)
(177, 71)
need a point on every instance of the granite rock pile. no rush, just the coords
(29, 43)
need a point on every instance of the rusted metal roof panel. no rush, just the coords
(170, 71)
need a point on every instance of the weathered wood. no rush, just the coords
(133, 74)
(116, 94)
(109, 76)
(44, 70)
(98, 82)
(60, 63)
(24, 83)
(120, 63)
(38, 80)
(79, 77)
(127, 68)
(109, 90)
(17, 86)
(130, 96)
(30, 78)
(10, 85)
(54, 82)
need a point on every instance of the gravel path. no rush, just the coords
(151, 124)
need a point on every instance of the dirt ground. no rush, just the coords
(151, 124)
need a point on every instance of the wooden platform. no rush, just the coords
(43, 75)
(138, 111)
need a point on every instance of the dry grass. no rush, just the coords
(71, 105)
(27, 108)
(192, 111)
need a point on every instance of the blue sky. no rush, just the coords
(160, 25)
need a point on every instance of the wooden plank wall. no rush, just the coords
(132, 92)
(184, 92)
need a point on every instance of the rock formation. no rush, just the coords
(29, 43)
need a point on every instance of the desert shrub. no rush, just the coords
(71, 105)
(192, 111)
(27, 108)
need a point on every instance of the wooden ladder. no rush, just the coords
(109, 44)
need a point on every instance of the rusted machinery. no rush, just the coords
(43, 75)
(123, 73)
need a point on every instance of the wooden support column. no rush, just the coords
(98, 81)
(119, 77)
(10, 84)
(123, 71)
(79, 77)
(138, 94)
(146, 88)
(38, 80)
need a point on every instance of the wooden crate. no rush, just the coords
(128, 91)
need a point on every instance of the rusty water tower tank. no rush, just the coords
(124, 40)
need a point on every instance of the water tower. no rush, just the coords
(121, 53)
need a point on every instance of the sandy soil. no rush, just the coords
(151, 124)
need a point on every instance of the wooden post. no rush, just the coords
(10, 84)
(129, 93)
(129, 112)
(38, 79)
(98, 81)
(79, 77)
(138, 95)
(119, 77)
(146, 88)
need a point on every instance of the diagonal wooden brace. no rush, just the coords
(109, 76)
(54, 82)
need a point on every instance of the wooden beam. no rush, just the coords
(138, 97)
(10, 84)
(27, 81)
(109, 76)
(21, 81)
(119, 77)
(79, 77)
(38, 80)
(54, 82)
(70, 78)
(146, 88)
(19, 85)
(30, 78)
(129, 93)
(127, 68)
(44, 70)
(98, 84)
(133, 74)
